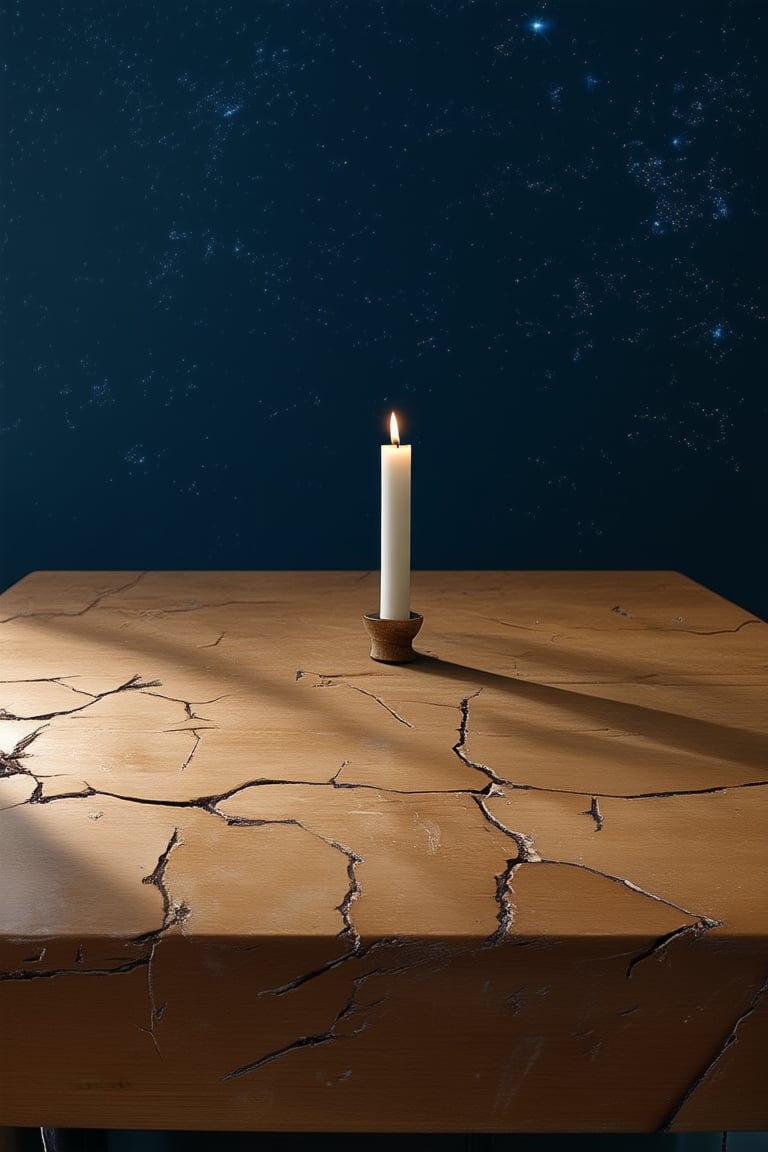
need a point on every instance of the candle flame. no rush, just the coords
(394, 431)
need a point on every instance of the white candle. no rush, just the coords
(395, 601)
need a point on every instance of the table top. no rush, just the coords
(576, 759)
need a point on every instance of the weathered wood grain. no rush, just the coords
(250, 878)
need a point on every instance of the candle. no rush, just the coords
(395, 601)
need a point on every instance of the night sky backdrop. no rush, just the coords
(236, 234)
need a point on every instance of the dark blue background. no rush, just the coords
(236, 234)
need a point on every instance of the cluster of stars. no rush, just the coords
(299, 199)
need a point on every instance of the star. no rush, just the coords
(539, 27)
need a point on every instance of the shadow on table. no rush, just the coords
(682, 733)
(685, 733)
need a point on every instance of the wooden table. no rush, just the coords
(251, 879)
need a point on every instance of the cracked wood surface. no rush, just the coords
(251, 879)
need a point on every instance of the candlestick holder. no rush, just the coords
(391, 640)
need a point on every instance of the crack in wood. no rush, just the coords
(195, 733)
(378, 700)
(334, 681)
(351, 1008)
(706, 922)
(50, 973)
(595, 813)
(173, 912)
(135, 684)
(663, 942)
(526, 848)
(156, 1012)
(352, 894)
(503, 897)
(10, 762)
(434, 955)
(526, 854)
(354, 891)
(727, 1043)
(188, 704)
(459, 749)
(459, 746)
(215, 643)
(305, 978)
(717, 631)
(81, 611)
(197, 606)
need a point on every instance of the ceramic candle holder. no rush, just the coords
(391, 640)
